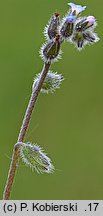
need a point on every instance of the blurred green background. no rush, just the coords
(67, 124)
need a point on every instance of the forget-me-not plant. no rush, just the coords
(77, 30)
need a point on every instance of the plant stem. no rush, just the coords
(22, 134)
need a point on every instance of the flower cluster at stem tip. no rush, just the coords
(76, 30)
(72, 28)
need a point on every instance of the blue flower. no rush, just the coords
(76, 9)
(91, 21)
(70, 18)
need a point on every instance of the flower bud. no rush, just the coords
(35, 158)
(51, 82)
(84, 32)
(85, 23)
(67, 26)
(53, 27)
(91, 21)
(50, 51)
(80, 39)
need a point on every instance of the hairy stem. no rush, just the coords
(22, 134)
